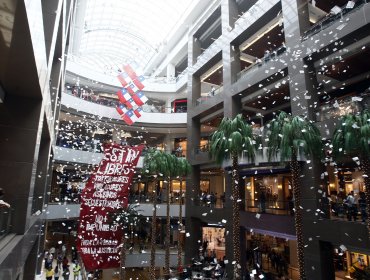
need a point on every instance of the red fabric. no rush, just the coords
(135, 79)
(106, 191)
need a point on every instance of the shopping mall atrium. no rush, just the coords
(192, 139)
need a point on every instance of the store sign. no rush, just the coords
(105, 192)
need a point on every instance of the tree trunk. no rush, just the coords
(168, 233)
(295, 170)
(179, 242)
(366, 170)
(122, 268)
(236, 217)
(153, 235)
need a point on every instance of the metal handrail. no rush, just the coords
(5, 221)
(329, 19)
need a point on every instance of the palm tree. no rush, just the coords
(170, 174)
(126, 218)
(288, 135)
(351, 138)
(232, 139)
(155, 165)
(183, 169)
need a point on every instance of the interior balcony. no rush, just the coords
(61, 211)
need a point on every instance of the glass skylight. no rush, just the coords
(126, 31)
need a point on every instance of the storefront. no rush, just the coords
(272, 254)
(270, 194)
(213, 241)
(348, 263)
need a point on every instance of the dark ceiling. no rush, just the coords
(328, 5)
(350, 67)
(274, 98)
(270, 41)
(216, 78)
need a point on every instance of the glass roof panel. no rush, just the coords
(117, 32)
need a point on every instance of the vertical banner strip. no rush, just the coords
(105, 192)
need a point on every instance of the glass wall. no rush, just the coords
(350, 264)
(269, 194)
(213, 242)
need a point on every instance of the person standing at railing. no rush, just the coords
(212, 92)
(350, 202)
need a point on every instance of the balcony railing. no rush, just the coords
(5, 221)
(342, 106)
(202, 149)
(207, 53)
(274, 54)
(112, 102)
(331, 18)
(210, 95)
(276, 207)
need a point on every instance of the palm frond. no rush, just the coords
(288, 135)
(352, 136)
(233, 136)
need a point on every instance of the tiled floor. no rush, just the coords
(43, 277)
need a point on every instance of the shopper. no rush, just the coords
(351, 207)
(56, 272)
(76, 271)
(49, 273)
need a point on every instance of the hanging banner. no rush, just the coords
(105, 192)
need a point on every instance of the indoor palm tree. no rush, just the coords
(351, 138)
(287, 136)
(183, 168)
(170, 173)
(155, 165)
(232, 139)
(126, 218)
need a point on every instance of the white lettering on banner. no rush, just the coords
(105, 194)
(101, 227)
(99, 250)
(115, 204)
(106, 179)
(131, 155)
(115, 169)
(102, 242)
(116, 155)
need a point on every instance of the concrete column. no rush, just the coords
(169, 143)
(229, 14)
(227, 215)
(21, 125)
(193, 241)
(192, 225)
(42, 175)
(194, 50)
(319, 260)
(40, 247)
(168, 108)
(31, 262)
(230, 57)
(116, 136)
(303, 82)
(170, 72)
(303, 88)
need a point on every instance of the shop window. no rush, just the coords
(268, 194)
(213, 242)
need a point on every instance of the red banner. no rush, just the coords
(105, 192)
